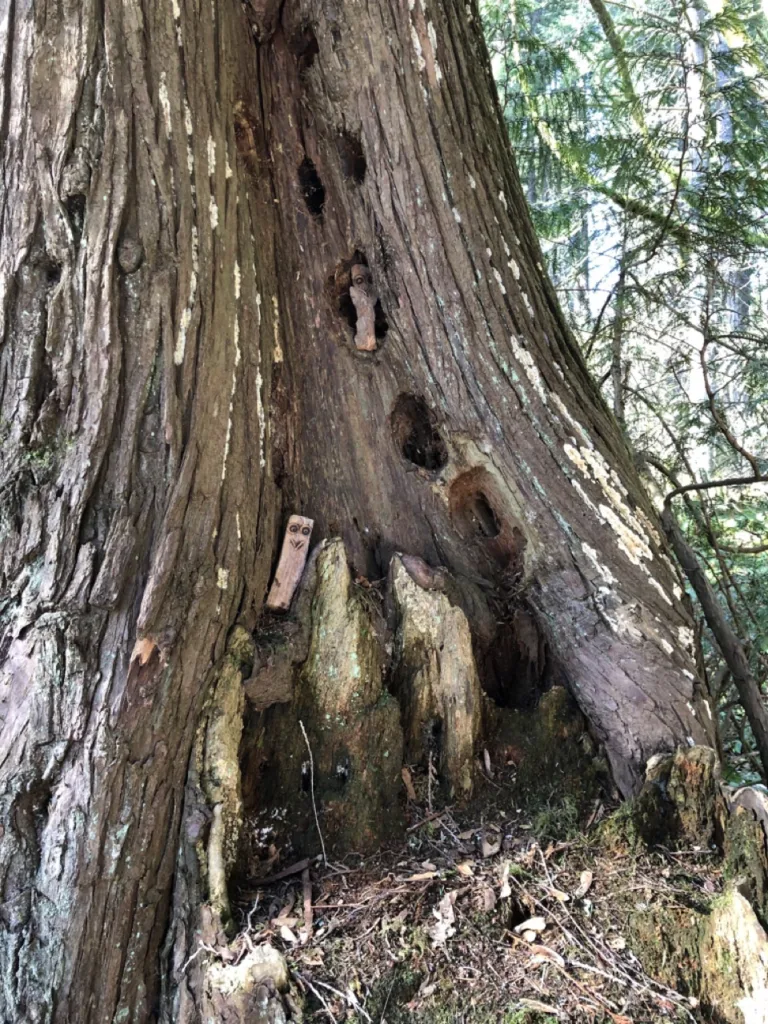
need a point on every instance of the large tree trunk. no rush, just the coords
(186, 188)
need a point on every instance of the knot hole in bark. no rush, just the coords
(312, 188)
(415, 434)
(357, 302)
(351, 157)
(478, 513)
(304, 47)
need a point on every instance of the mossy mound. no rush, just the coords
(558, 771)
(680, 802)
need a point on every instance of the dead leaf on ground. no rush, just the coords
(559, 895)
(533, 924)
(486, 899)
(466, 868)
(536, 1004)
(490, 845)
(408, 783)
(422, 876)
(443, 929)
(506, 889)
(617, 943)
(585, 884)
(543, 954)
(287, 935)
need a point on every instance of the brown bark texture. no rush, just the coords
(186, 187)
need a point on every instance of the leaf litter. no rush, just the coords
(479, 917)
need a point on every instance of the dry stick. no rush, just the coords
(319, 996)
(624, 977)
(312, 789)
(729, 644)
(294, 869)
(348, 997)
(306, 883)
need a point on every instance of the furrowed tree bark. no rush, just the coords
(186, 188)
(138, 505)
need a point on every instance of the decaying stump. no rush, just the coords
(719, 954)
(436, 680)
(350, 769)
(342, 696)
(680, 800)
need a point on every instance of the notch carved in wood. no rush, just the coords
(364, 301)
(293, 558)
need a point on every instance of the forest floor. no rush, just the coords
(484, 914)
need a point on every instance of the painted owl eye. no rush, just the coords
(305, 530)
(294, 528)
(359, 280)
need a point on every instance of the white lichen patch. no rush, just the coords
(213, 211)
(456, 215)
(278, 352)
(417, 49)
(222, 578)
(499, 281)
(237, 281)
(188, 123)
(515, 268)
(526, 360)
(472, 182)
(211, 150)
(660, 590)
(618, 515)
(503, 199)
(186, 315)
(165, 103)
(603, 570)
(686, 638)
(260, 965)
(631, 543)
(583, 495)
(572, 423)
(177, 23)
(527, 304)
(238, 356)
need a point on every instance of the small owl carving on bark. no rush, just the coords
(364, 300)
(293, 558)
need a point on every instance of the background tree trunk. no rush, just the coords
(186, 189)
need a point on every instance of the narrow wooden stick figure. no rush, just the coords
(293, 558)
(364, 301)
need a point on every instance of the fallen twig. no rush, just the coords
(433, 816)
(312, 789)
